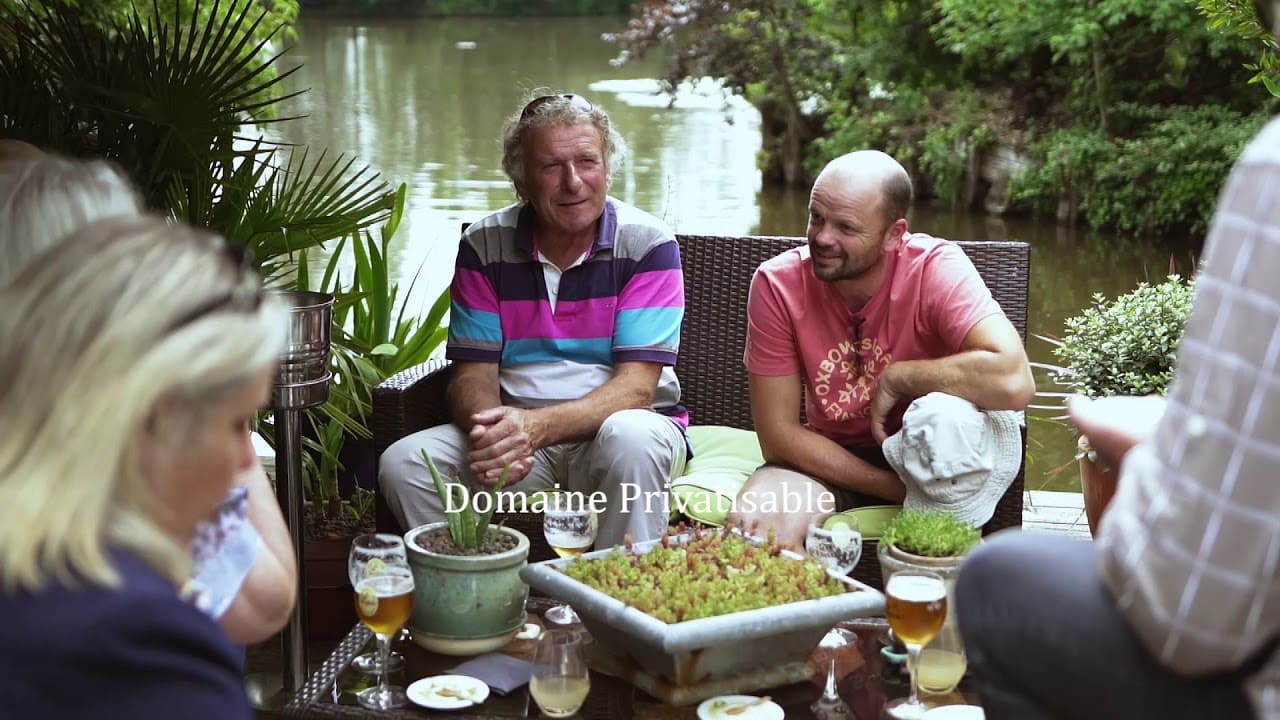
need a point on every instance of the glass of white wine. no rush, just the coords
(570, 528)
(384, 600)
(943, 661)
(560, 680)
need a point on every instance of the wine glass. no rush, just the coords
(370, 663)
(838, 547)
(916, 605)
(560, 681)
(570, 529)
(384, 601)
(830, 706)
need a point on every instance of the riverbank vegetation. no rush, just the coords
(1117, 113)
(499, 8)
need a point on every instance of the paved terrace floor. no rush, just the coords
(1060, 513)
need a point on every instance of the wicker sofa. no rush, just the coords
(717, 272)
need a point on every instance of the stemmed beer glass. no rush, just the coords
(570, 530)
(370, 662)
(384, 600)
(916, 605)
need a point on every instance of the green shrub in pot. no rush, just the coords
(930, 533)
(1125, 346)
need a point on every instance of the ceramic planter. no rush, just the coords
(466, 604)
(893, 559)
(684, 662)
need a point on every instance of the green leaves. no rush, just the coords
(931, 533)
(1126, 346)
(467, 528)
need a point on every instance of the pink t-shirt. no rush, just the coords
(931, 298)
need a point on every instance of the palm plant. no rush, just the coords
(168, 95)
(167, 103)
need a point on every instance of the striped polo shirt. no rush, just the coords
(623, 303)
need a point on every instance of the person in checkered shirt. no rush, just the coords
(1174, 611)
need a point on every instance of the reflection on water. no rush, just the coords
(415, 100)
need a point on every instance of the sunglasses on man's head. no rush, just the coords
(576, 101)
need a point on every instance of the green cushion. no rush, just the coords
(723, 459)
(870, 520)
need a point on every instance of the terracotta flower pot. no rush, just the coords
(1098, 483)
(330, 601)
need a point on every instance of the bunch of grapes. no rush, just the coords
(712, 572)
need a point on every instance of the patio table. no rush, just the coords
(867, 682)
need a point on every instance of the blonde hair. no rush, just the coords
(97, 332)
(45, 199)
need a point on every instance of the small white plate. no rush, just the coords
(955, 712)
(447, 692)
(717, 708)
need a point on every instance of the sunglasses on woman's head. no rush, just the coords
(576, 101)
(245, 297)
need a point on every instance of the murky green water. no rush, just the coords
(413, 99)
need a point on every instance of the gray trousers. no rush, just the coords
(631, 460)
(1044, 640)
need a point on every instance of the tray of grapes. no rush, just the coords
(703, 612)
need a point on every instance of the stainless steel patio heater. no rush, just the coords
(302, 382)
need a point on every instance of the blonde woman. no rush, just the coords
(133, 356)
(246, 574)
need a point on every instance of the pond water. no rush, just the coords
(423, 102)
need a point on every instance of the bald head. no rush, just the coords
(18, 151)
(865, 170)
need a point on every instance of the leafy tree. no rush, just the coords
(773, 52)
(1237, 18)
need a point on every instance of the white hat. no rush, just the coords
(954, 457)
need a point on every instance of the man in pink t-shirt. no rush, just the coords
(866, 318)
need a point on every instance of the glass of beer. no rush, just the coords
(569, 525)
(560, 681)
(384, 600)
(916, 605)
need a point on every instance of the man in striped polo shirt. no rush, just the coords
(564, 330)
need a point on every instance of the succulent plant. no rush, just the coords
(467, 527)
(710, 572)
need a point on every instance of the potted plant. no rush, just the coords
(468, 597)
(933, 540)
(703, 611)
(1125, 346)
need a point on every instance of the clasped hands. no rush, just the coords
(500, 437)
